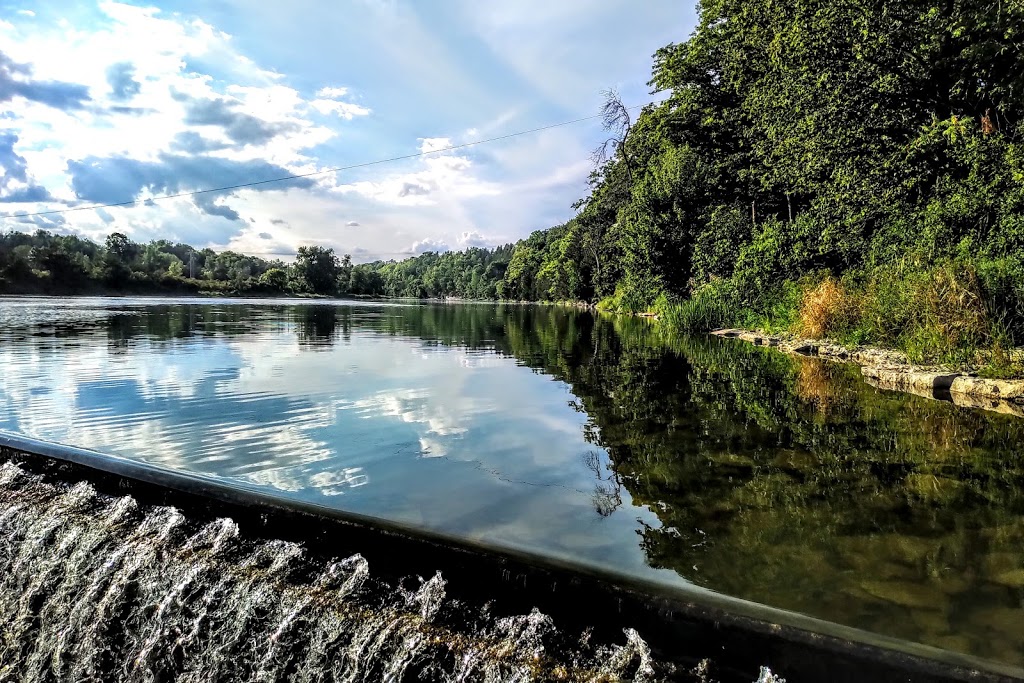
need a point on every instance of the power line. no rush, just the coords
(298, 176)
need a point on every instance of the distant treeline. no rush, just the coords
(43, 262)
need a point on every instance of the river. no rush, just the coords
(609, 443)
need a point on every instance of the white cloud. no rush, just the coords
(428, 145)
(473, 239)
(331, 93)
(345, 110)
(440, 179)
(26, 12)
(423, 246)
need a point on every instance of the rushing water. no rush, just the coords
(606, 442)
(98, 588)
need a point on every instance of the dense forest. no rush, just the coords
(848, 170)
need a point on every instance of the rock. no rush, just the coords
(954, 643)
(1004, 390)
(1002, 620)
(931, 622)
(887, 369)
(905, 593)
(909, 549)
(1013, 578)
(999, 563)
(805, 349)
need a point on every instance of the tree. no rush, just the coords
(275, 279)
(319, 267)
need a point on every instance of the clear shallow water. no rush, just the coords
(781, 480)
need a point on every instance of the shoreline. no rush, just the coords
(890, 370)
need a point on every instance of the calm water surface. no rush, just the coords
(607, 442)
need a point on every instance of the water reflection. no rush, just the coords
(783, 480)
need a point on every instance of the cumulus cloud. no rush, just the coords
(209, 205)
(278, 221)
(14, 165)
(15, 183)
(413, 188)
(241, 127)
(328, 102)
(119, 178)
(473, 239)
(121, 78)
(265, 236)
(26, 223)
(191, 142)
(352, 224)
(442, 178)
(15, 81)
(32, 193)
(332, 93)
(345, 110)
(429, 244)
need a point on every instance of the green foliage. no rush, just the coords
(874, 140)
(319, 267)
(713, 306)
(475, 273)
(45, 263)
(275, 280)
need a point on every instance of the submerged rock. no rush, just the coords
(905, 593)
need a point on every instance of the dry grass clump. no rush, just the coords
(828, 308)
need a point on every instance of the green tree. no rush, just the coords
(319, 267)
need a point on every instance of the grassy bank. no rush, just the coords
(963, 313)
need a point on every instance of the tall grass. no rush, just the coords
(711, 307)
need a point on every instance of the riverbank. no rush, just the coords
(890, 369)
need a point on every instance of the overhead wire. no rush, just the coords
(299, 176)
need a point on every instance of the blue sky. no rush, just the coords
(106, 101)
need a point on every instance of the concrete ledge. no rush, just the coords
(891, 370)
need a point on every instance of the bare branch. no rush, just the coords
(614, 114)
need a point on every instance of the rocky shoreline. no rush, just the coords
(887, 369)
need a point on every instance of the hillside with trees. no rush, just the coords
(850, 170)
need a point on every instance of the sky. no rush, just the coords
(105, 102)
